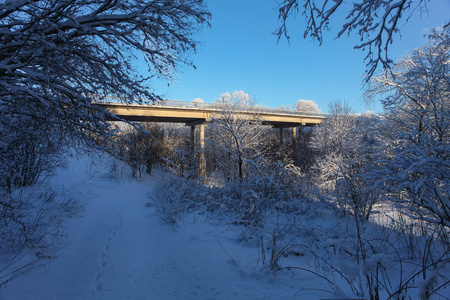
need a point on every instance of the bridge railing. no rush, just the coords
(208, 106)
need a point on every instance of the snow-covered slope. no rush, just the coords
(118, 248)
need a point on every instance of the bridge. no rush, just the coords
(197, 114)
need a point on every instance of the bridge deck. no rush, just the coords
(197, 115)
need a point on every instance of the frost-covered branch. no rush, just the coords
(375, 22)
(415, 96)
(55, 53)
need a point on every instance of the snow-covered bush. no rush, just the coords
(244, 202)
(32, 217)
(30, 150)
(31, 221)
(176, 197)
(353, 192)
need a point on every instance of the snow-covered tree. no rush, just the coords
(308, 106)
(56, 57)
(235, 130)
(198, 102)
(376, 22)
(416, 99)
(57, 54)
(345, 144)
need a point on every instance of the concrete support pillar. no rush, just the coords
(281, 136)
(202, 159)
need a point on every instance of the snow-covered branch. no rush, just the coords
(415, 95)
(53, 53)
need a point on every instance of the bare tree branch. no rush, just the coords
(375, 21)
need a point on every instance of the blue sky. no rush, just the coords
(239, 52)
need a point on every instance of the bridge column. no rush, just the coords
(201, 144)
(202, 159)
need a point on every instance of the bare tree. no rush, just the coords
(237, 128)
(375, 21)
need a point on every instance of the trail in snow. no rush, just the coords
(120, 249)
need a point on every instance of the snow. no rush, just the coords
(119, 248)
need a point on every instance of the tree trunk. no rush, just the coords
(240, 168)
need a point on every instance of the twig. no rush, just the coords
(234, 262)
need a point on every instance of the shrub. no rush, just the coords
(30, 221)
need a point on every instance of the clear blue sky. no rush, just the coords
(239, 52)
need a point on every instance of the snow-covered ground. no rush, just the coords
(119, 248)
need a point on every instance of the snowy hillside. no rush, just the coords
(119, 248)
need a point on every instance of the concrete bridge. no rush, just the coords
(197, 114)
(187, 112)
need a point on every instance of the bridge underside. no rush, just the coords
(287, 124)
(197, 117)
(158, 119)
(197, 121)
